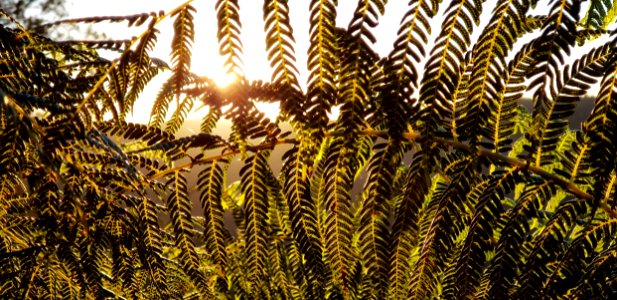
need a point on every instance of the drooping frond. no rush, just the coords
(376, 211)
(302, 214)
(179, 208)
(569, 268)
(337, 204)
(228, 34)
(355, 90)
(512, 243)
(401, 76)
(151, 240)
(501, 122)
(210, 184)
(408, 49)
(442, 71)
(253, 184)
(177, 118)
(445, 209)
(405, 225)
(161, 104)
(470, 263)
(184, 34)
(142, 72)
(598, 279)
(366, 17)
(321, 65)
(280, 45)
(489, 58)
(549, 245)
(209, 121)
(601, 128)
(560, 102)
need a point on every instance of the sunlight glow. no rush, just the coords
(223, 79)
(271, 110)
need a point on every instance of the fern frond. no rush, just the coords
(250, 123)
(179, 207)
(550, 244)
(150, 241)
(184, 35)
(278, 212)
(598, 278)
(118, 45)
(337, 203)
(405, 225)
(365, 18)
(161, 104)
(444, 210)
(141, 70)
(228, 34)
(442, 73)
(209, 121)
(280, 46)
(553, 240)
(470, 264)
(576, 162)
(401, 76)
(602, 130)
(177, 118)
(176, 149)
(135, 131)
(356, 59)
(550, 117)
(503, 110)
(133, 20)
(489, 59)
(276, 270)
(90, 260)
(321, 64)
(210, 183)
(374, 231)
(408, 49)
(569, 268)
(456, 108)
(123, 268)
(512, 243)
(253, 184)
(303, 215)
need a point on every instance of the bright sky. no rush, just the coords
(206, 60)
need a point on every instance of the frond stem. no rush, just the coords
(414, 137)
(225, 154)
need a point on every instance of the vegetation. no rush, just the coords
(465, 193)
(33, 13)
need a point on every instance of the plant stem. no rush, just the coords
(412, 136)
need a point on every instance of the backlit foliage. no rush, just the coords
(433, 182)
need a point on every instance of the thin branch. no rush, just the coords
(232, 152)
(412, 136)
(565, 185)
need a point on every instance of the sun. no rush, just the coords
(223, 79)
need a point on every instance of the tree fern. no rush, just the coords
(440, 185)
